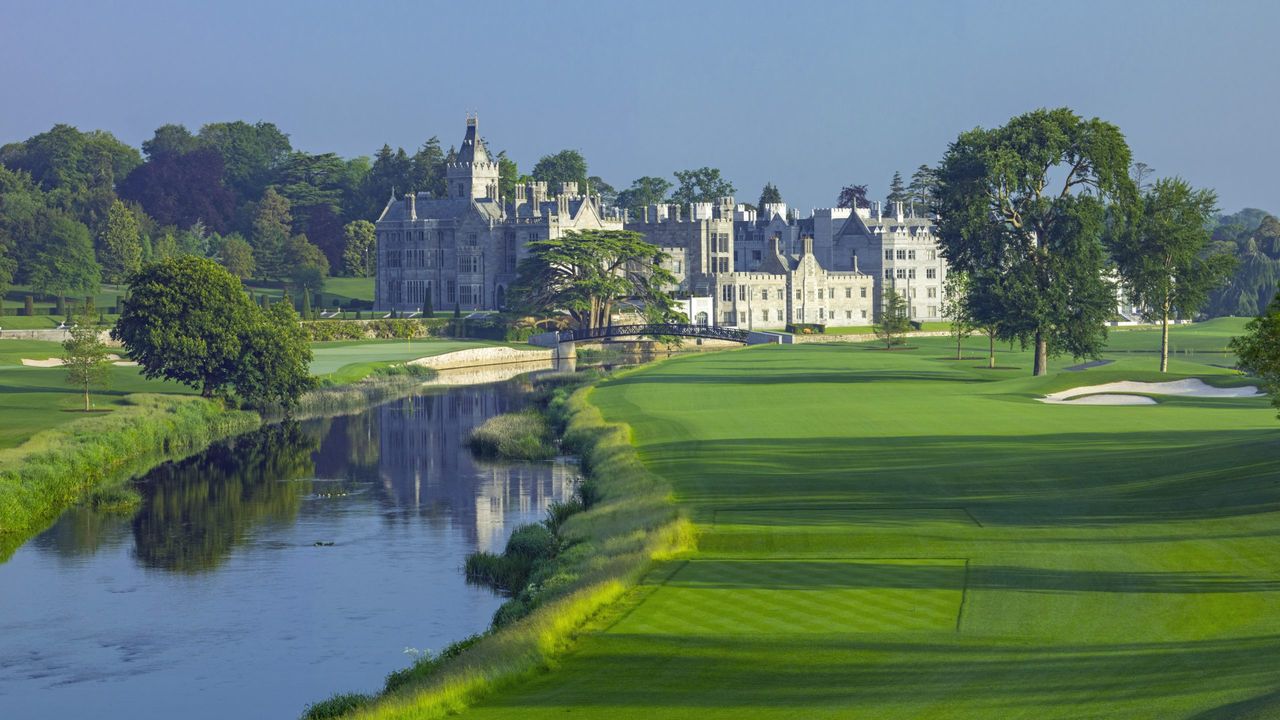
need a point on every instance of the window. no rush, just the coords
(821, 314)
(932, 254)
(888, 274)
(911, 254)
(764, 295)
(820, 291)
(913, 292)
(723, 241)
(902, 254)
(470, 295)
(911, 273)
(888, 254)
(742, 293)
(933, 293)
(724, 264)
(468, 263)
(862, 292)
(933, 310)
(864, 314)
(902, 273)
(451, 292)
(848, 314)
(473, 239)
(779, 316)
(679, 267)
(931, 273)
(728, 318)
(764, 315)
(416, 288)
(726, 293)
(798, 296)
(742, 317)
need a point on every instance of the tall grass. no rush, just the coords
(609, 546)
(58, 467)
(523, 435)
(388, 383)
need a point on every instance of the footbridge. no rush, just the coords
(564, 340)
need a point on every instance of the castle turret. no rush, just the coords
(474, 175)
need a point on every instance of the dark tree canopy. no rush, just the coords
(1023, 209)
(644, 191)
(769, 194)
(180, 190)
(562, 167)
(702, 185)
(853, 196)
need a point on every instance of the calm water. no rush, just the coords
(215, 601)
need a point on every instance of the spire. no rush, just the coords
(473, 150)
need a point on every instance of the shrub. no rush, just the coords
(806, 328)
(336, 706)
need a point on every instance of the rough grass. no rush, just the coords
(897, 535)
(61, 466)
(524, 435)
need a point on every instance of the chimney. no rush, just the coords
(877, 209)
(855, 261)
(897, 210)
(411, 205)
(775, 243)
(807, 243)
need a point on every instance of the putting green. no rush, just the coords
(900, 535)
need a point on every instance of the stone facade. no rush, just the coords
(462, 251)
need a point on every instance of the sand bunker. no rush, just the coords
(1106, 394)
(57, 362)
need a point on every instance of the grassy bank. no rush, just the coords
(904, 535)
(61, 466)
(630, 523)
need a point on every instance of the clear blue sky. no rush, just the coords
(808, 95)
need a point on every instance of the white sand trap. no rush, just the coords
(125, 363)
(57, 362)
(1098, 394)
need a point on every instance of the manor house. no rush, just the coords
(760, 269)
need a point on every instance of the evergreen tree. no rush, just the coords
(306, 304)
(897, 191)
(272, 224)
(895, 319)
(768, 195)
(121, 252)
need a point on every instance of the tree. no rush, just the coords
(1258, 349)
(121, 253)
(184, 320)
(644, 191)
(170, 139)
(1022, 210)
(895, 319)
(166, 246)
(703, 185)
(179, 190)
(584, 274)
(1161, 257)
(84, 356)
(275, 369)
(360, 250)
(897, 190)
(60, 260)
(955, 308)
(923, 187)
(608, 193)
(236, 256)
(769, 195)
(306, 304)
(508, 177)
(853, 196)
(428, 169)
(307, 266)
(272, 225)
(251, 154)
(562, 167)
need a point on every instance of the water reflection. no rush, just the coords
(345, 537)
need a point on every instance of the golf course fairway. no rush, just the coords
(900, 535)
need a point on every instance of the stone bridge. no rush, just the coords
(565, 340)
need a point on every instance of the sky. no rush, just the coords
(807, 95)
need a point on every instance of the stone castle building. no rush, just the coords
(760, 269)
(461, 251)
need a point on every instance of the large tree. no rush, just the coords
(181, 190)
(59, 260)
(853, 196)
(923, 187)
(897, 191)
(1162, 255)
(360, 251)
(1022, 211)
(277, 358)
(236, 255)
(702, 185)
(272, 228)
(585, 274)
(1258, 349)
(562, 167)
(252, 155)
(184, 320)
(644, 191)
(120, 253)
(768, 195)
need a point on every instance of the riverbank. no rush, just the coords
(630, 523)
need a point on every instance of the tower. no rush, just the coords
(474, 175)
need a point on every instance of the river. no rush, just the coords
(269, 571)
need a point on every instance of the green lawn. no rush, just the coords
(346, 361)
(895, 535)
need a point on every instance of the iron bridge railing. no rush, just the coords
(710, 332)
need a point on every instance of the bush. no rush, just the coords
(806, 328)
(517, 436)
(509, 572)
(336, 706)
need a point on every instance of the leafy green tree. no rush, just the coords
(121, 252)
(895, 319)
(585, 274)
(275, 370)
(236, 255)
(562, 167)
(60, 260)
(508, 177)
(170, 140)
(307, 265)
(180, 190)
(252, 155)
(1161, 257)
(1022, 210)
(1258, 349)
(272, 227)
(955, 308)
(644, 191)
(360, 251)
(166, 246)
(897, 190)
(700, 186)
(84, 356)
(428, 169)
(184, 320)
(608, 193)
(768, 195)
